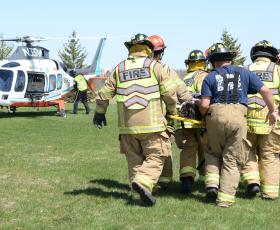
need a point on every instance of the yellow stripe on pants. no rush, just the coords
(270, 189)
(187, 169)
(250, 176)
(144, 181)
(223, 197)
(212, 177)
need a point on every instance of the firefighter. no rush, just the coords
(264, 155)
(140, 85)
(81, 88)
(187, 133)
(182, 95)
(224, 104)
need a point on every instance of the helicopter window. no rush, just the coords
(52, 84)
(11, 65)
(20, 83)
(36, 82)
(59, 81)
(6, 80)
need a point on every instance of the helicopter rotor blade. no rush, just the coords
(24, 39)
(10, 40)
(30, 39)
(85, 38)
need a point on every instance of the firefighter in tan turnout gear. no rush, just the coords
(140, 84)
(262, 167)
(182, 94)
(187, 133)
(224, 102)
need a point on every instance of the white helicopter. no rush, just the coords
(29, 78)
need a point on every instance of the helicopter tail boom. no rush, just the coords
(94, 69)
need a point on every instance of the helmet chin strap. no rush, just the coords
(161, 54)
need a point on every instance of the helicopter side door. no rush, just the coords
(36, 85)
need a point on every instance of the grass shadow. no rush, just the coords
(117, 190)
(201, 198)
(198, 194)
(111, 184)
(174, 189)
(31, 114)
(92, 191)
(110, 191)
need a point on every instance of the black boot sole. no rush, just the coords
(145, 196)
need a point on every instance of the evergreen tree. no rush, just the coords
(5, 49)
(73, 54)
(232, 44)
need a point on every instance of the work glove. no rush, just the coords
(99, 120)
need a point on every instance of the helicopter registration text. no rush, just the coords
(32, 52)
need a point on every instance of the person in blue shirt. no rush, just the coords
(224, 104)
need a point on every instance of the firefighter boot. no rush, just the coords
(187, 184)
(252, 190)
(146, 196)
(212, 193)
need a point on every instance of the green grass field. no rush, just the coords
(58, 173)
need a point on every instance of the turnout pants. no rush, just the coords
(226, 132)
(167, 171)
(81, 96)
(187, 140)
(145, 154)
(262, 166)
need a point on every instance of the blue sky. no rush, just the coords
(185, 25)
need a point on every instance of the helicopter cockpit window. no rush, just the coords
(59, 81)
(20, 83)
(11, 65)
(36, 82)
(6, 80)
(52, 84)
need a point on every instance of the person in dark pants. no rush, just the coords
(81, 92)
